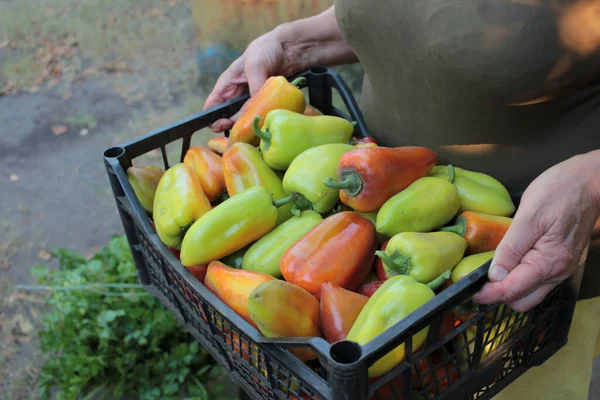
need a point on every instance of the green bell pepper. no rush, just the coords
(477, 192)
(229, 227)
(396, 298)
(265, 254)
(304, 178)
(422, 255)
(286, 134)
(427, 204)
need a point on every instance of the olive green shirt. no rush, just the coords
(504, 87)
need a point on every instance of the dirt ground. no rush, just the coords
(67, 92)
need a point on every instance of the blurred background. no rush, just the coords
(77, 77)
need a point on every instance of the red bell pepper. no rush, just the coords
(370, 176)
(340, 250)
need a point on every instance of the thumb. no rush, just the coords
(518, 240)
(256, 74)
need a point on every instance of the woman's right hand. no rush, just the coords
(286, 50)
(264, 57)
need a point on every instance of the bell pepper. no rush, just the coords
(234, 286)
(276, 93)
(208, 167)
(304, 178)
(406, 295)
(234, 260)
(339, 250)
(144, 181)
(282, 309)
(483, 232)
(364, 142)
(199, 271)
(179, 201)
(422, 255)
(218, 145)
(244, 167)
(468, 264)
(369, 176)
(233, 224)
(372, 216)
(478, 192)
(311, 111)
(339, 310)
(368, 289)
(286, 134)
(265, 254)
(380, 271)
(426, 205)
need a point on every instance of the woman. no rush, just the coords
(510, 88)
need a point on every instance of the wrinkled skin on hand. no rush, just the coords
(265, 56)
(549, 237)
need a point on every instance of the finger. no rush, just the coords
(256, 74)
(518, 240)
(520, 282)
(533, 299)
(230, 84)
(221, 125)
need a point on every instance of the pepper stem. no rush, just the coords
(351, 182)
(299, 81)
(440, 280)
(265, 136)
(286, 200)
(398, 262)
(353, 123)
(451, 173)
(460, 228)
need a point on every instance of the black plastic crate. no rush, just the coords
(474, 360)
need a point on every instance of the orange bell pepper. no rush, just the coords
(369, 176)
(208, 167)
(218, 145)
(339, 310)
(233, 286)
(339, 250)
(276, 93)
(483, 232)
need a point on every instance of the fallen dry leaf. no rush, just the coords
(4, 264)
(59, 129)
(83, 132)
(44, 255)
(14, 178)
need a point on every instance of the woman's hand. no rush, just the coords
(548, 238)
(286, 50)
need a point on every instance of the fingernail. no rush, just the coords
(497, 273)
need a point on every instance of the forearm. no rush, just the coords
(315, 41)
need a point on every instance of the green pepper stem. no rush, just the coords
(286, 200)
(440, 280)
(299, 81)
(351, 182)
(451, 173)
(353, 123)
(460, 228)
(398, 262)
(265, 136)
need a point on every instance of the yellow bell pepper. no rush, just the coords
(179, 201)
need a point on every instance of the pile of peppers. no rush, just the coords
(304, 230)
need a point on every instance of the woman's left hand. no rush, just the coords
(549, 236)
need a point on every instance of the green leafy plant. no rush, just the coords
(105, 336)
